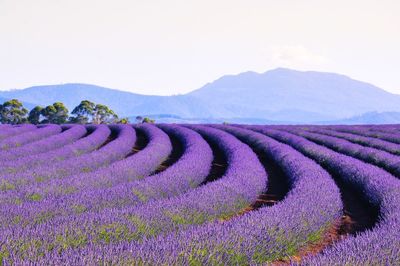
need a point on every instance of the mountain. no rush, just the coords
(276, 95)
(370, 118)
(284, 94)
(124, 103)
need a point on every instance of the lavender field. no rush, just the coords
(168, 194)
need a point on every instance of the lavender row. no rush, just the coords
(111, 152)
(365, 141)
(97, 136)
(27, 137)
(242, 240)
(70, 134)
(88, 190)
(136, 166)
(388, 128)
(187, 173)
(9, 131)
(379, 187)
(364, 131)
(244, 179)
(383, 159)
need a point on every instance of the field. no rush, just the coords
(170, 194)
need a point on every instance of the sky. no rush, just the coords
(176, 46)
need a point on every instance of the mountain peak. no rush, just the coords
(282, 70)
(280, 94)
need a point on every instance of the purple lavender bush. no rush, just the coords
(150, 194)
(379, 187)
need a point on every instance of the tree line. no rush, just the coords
(13, 112)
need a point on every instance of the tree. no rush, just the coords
(13, 112)
(35, 115)
(103, 115)
(89, 112)
(124, 120)
(55, 114)
(83, 112)
(148, 120)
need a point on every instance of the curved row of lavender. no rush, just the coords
(9, 131)
(242, 240)
(48, 197)
(387, 128)
(27, 137)
(378, 186)
(365, 131)
(187, 173)
(119, 213)
(113, 151)
(195, 162)
(372, 142)
(96, 138)
(244, 179)
(383, 159)
(69, 134)
(97, 135)
(133, 167)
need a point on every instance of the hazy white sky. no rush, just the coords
(175, 46)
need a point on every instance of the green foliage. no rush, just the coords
(142, 197)
(43, 216)
(34, 197)
(70, 239)
(142, 228)
(35, 115)
(83, 112)
(55, 114)
(114, 232)
(39, 179)
(79, 208)
(89, 112)
(187, 217)
(316, 236)
(17, 219)
(103, 115)
(13, 112)
(148, 120)
(6, 185)
(67, 190)
(86, 169)
(124, 120)
(140, 119)
(4, 253)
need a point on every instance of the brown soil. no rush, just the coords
(277, 187)
(141, 142)
(219, 164)
(176, 153)
(358, 216)
(110, 138)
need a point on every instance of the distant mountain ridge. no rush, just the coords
(370, 118)
(276, 95)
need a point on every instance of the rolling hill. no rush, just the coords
(276, 95)
(370, 118)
